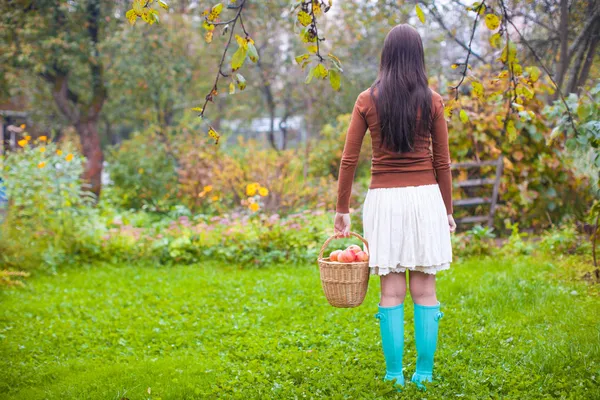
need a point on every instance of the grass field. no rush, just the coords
(511, 330)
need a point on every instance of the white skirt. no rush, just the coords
(407, 229)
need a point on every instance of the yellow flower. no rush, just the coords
(69, 157)
(59, 152)
(41, 165)
(27, 137)
(254, 207)
(251, 189)
(263, 191)
(42, 149)
(207, 188)
(23, 126)
(141, 171)
(214, 198)
(43, 138)
(22, 142)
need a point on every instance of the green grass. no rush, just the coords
(510, 331)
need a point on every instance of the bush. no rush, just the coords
(50, 217)
(143, 173)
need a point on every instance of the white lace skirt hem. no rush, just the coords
(407, 229)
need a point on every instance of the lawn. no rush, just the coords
(511, 329)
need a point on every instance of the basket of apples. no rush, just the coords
(345, 274)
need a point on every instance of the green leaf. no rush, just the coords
(238, 58)
(420, 13)
(477, 89)
(511, 130)
(496, 40)
(533, 72)
(310, 75)
(335, 79)
(252, 53)
(464, 118)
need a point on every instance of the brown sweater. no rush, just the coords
(419, 167)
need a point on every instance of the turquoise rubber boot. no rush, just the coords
(426, 335)
(391, 326)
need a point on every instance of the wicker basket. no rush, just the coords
(345, 284)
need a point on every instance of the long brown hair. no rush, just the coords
(402, 89)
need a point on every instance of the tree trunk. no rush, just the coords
(589, 60)
(90, 144)
(563, 31)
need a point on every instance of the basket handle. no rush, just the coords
(333, 237)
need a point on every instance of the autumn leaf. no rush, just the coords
(533, 72)
(477, 89)
(131, 16)
(199, 109)
(420, 13)
(495, 40)
(163, 4)
(238, 58)
(302, 57)
(464, 118)
(335, 79)
(241, 81)
(231, 88)
(320, 71)
(310, 75)
(454, 66)
(252, 53)
(492, 21)
(304, 18)
(511, 130)
(214, 134)
(312, 49)
(208, 37)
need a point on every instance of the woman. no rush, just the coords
(407, 212)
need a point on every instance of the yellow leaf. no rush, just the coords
(163, 4)
(304, 18)
(316, 8)
(137, 8)
(511, 130)
(533, 72)
(477, 89)
(214, 134)
(464, 118)
(312, 49)
(335, 79)
(301, 58)
(199, 109)
(208, 37)
(208, 26)
(320, 71)
(420, 13)
(131, 16)
(492, 21)
(242, 42)
(454, 66)
(238, 58)
(241, 81)
(495, 40)
(231, 88)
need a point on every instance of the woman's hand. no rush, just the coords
(341, 225)
(451, 223)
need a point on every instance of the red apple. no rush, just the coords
(354, 248)
(362, 256)
(334, 255)
(347, 256)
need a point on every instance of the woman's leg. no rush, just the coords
(393, 289)
(427, 314)
(422, 288)
(391, 323)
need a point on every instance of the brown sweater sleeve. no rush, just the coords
(441, 152)
(354, 138)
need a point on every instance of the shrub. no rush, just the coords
(50, 218)
(478, 241)
(143, 173)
